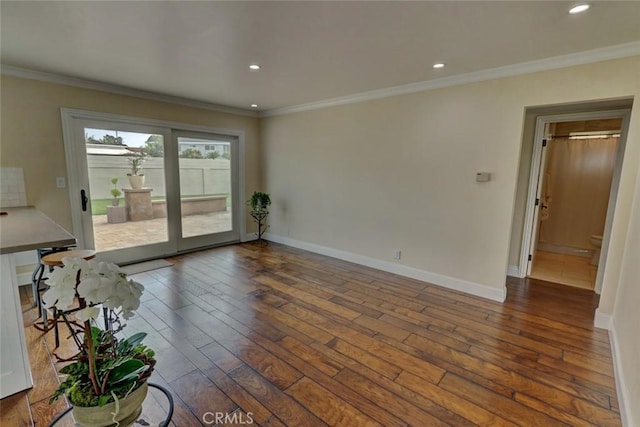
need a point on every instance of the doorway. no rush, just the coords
(573, 184)
(575, 189)
(144, 189)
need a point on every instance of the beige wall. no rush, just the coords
(31, 135)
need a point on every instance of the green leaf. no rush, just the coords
(95, 332)
(104, 399)
(76, 368)
(126, 369)
(125, 346)
(133, 376)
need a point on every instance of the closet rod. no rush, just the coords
(602, 135)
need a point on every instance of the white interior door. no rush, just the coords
(538, 207)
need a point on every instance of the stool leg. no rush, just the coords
(34, 284)
(107, 323)
(56, 333)
(44, 314)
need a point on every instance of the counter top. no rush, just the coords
(26, 228)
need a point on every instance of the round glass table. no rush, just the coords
(157, 410)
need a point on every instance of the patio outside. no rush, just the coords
(135, 233)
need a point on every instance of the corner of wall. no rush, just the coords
(513, 270)
(602, 320)
(621, 387)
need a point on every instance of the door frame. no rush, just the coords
(532, 211)
(74, 177)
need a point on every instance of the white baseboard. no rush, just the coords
(602, 320)
(621, 387)
(248, 237)
(402, 270)
(25, 264)
(513, 271)
(25, 278)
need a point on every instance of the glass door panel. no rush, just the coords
(206, 169)
(126, 190)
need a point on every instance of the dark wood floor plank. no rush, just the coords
(283, 406)
(407, 411)
(249, 404)
(506, 408)
(310, 355)
(201, 394)
(372, 361)
(460, 406)
(327, 406)
(448, 338)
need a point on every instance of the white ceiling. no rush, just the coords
(309, 51)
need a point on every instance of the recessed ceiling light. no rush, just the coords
(579, 8)
(254, 67)
(254, 105)
(438, 65)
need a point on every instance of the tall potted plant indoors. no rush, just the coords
(115, 192)
(107, 380)
(136, 179)
(259, 203)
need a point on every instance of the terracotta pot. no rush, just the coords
(102, 416)
(136, 181)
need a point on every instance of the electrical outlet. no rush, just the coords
(397, 254)
(60, 182)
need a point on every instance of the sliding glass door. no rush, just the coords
(141, 191)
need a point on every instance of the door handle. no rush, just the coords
(83, 199)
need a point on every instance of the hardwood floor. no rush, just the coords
(281, 336)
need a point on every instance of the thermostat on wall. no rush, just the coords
(483, 176)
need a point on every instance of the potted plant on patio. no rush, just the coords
(115, 192)
(107, 381)
(136, 179)
(259, 203)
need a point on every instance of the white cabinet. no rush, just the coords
(15, 374)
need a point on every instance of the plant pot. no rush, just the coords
(115, 202)
(102, 416)
(136, 181)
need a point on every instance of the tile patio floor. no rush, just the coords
(134, 233)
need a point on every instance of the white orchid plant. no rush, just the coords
(105, 367)
(96, 282)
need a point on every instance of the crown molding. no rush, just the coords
(579, 58)
(11, 70)
(556, 62)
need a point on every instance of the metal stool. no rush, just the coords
(53, 260)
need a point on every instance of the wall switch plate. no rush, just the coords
(483, 177)
(397, 254)
(60, 182)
